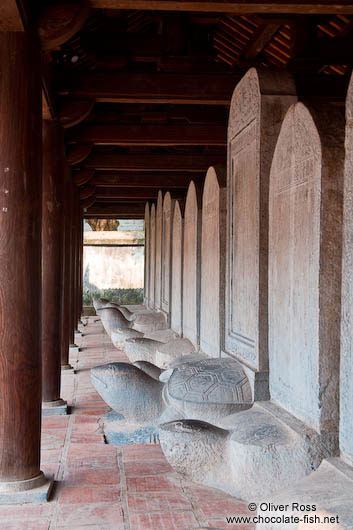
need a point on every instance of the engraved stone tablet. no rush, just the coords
(304, 265)
(167, 224)
(346, 379)
(177, 270)
(147, 254)
(152, 256)
(259, 103)
(191, 267)
(213, 261)
(158, 277)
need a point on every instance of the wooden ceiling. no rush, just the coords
(143, 87)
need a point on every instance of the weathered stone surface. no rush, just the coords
(206, 390)
(99, 303)
(266, 449)
(149, 369)
(113, 319)
(250, 454)
(213, 262)
(129, 391)
(329, 489)
(162, 335)
(191, 266)
(177, 271)
(158, 271)
(152, 321)
(166, 266)
(129, 315)
(259, 103)
(172, 350)
(119, 336)
(151, 303)
(147, 254)
(141, 349)
(304, 265)
(144, 349)
(346, 373)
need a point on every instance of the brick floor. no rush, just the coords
(102, 487)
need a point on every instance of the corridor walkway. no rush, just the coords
(102, 487)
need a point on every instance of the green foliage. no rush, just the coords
(119, 296)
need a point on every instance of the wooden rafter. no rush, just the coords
(169, 180)
(152, 162)
(150, 135)
(203, 89)
(229, 6)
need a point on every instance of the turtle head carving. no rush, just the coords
(192, 445)
(128, 390)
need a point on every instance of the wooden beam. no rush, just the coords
(87, 191)
(82, 177)
(263, 35)
(203, 89)
(146, 193)
(169, 180)
(242, 7)
(78, 153)
(150, 135)
(72, 112)
(153, 162)
(119, 210)
(11, 16)
(61, 21)
(86, 203)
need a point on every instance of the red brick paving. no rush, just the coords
(101, 487)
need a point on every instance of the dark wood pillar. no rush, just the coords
(66, 312)
(52, 265)
(20, 265)
(73, 271)
(79, 262)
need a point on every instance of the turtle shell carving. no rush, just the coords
(212, 381)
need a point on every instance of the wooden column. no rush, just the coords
(80, 257)
(66, 312)
(20, 265)
(73, 271)
(52, 265)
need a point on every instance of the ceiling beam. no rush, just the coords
(153, 162)
(150, 135)
(199, 89)
(205, 89)
(59, 22)
(72, 112)
(169, 180)
(146, 193)
(120, 210)
(305, 7)
(77, 153)
(263, 35)
(13, 15)
(82, 177)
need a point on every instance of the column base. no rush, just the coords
(34, 490)
(67, 368)
(54, 408)
(73, 348)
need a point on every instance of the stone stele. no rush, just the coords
(263, 450)
(213, 262)
(259, 103)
